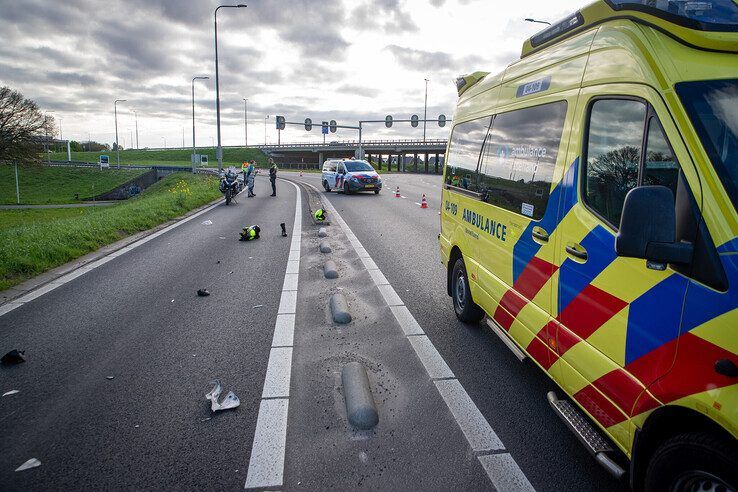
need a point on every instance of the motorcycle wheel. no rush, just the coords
(228, 196)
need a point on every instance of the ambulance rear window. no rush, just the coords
(710, 15)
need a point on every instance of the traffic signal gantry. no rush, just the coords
(331, 126)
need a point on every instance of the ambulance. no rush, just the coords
(589, 216)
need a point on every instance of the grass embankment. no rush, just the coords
(171, 157)
(42, 185)
(34, 241)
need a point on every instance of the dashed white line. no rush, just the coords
(266, 465)
(501, 468)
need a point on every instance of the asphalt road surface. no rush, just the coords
(457, 410)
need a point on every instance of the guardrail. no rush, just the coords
(355, 143)
(203, 170)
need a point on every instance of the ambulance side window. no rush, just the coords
(519, 158)
(660, 167)
(613, 155)
(463, 153)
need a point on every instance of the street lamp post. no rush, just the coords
(537, 21)
(245, 122)
(46, 128)
(193, 118)
(219, 151)
(117, 146)
(265, 128)
(165, 142)
(425, 108)
(135, 115)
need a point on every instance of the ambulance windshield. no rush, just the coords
(711, 15)
(713, 109)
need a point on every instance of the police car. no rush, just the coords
(350, 175)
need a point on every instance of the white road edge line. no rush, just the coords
(266, 466)
(64, 279)
(501, 468)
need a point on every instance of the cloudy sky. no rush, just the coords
(324, 59)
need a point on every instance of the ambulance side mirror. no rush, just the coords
(648, 228)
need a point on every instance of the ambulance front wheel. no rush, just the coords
(464, 307)
(693, 461)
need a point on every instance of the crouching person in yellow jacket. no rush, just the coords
(250, 233)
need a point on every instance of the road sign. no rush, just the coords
(308, 124)
(414, 120)
(333, 125)
(442, 120)
(280, 122)
(388, 121)
(325, 128)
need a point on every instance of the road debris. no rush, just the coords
(208, 222)
(284, 230)
(203, 292)
(230, 400)
(258, 306)
(11, 392)
(15, 356)
(109, 378)
(32, 463)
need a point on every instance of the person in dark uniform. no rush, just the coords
(273, 176)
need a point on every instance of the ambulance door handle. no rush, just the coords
(726, 367)
(577, 251)
(540, 234)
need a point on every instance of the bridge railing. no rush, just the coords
(437, 142)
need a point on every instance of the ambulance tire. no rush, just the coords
(693, 461)
(464, 307)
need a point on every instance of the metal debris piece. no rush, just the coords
(284, 230)
(203, 292)
(32, 463)
(258, 306)
(208, 222)
(230, 400)
(15, 356)
(11, 392)
(109, 377)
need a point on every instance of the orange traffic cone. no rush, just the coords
(423, 202)
(397, 192)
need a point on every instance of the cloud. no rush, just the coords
(389, 15)
(432, 61)
(357, 90)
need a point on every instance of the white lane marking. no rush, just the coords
(475, 427)
(405, 318)
(505, 473)
(477, 431)
(390, 296)
(64, 279)
(378, 277)
(277, 379)
(284, 331)
(266, 465)
(434, 364)
(290, 281)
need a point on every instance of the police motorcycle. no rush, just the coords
(230, 186)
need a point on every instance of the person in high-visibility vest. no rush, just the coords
(320, 215)
(250, 233)
(249, 171)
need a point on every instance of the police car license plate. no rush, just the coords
(369, 186)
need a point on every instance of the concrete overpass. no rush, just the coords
(398, 155)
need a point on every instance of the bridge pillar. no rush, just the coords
(426, 162)
(320, 160)
(436, 163)
(415, 162)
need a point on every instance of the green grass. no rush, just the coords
(172, 157)
(40, 185)
(34, 241)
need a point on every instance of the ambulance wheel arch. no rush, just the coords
(662, 440)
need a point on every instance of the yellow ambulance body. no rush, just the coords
(589, 212)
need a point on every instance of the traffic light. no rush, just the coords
(308, 124)
(333, 126)
(414, 120)
(388, 121)
(280, 122)
(442, 120)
